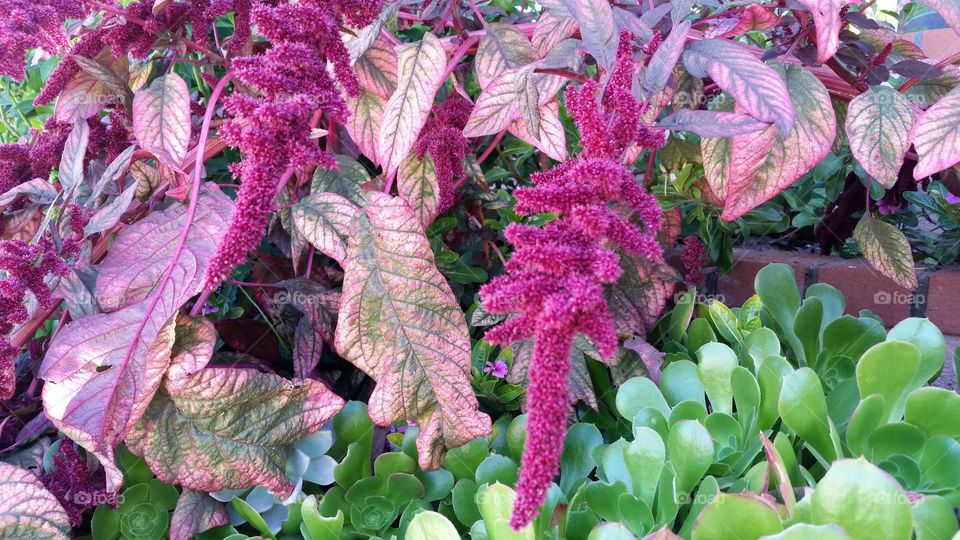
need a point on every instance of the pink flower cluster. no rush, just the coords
(73, 483)
(30, 24)
(20, 162)
(442, 138)
(24, 267)
(693, 257)
(554, 285)
(272, 130)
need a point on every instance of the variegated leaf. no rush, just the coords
(665, 59)
(346, 180)
(421, 68)
(791, 157)
(503, 47)
(755, 86)
(928, 91)
(748, 152)
(598, 28)
(552, 139)
(581, 386)
(71, 160)
(161, 118)
(529, 96)
(948, 9)
(104, 74)
(110, 214)
(400, 323)
(377, 69)
(365, 37)
(83, 97)
(325, 219)
(417, 183)
(27, 510)
(826, 21)
(936, 136)
(195, 513)
(550, 31)
(496, 106)
(887, 250)
(716, 162)
(230, 428)
(711, 123)
(113, 172)
(878, 125)
(639, 296)
(366, 117)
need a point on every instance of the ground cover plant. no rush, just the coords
(373, 269)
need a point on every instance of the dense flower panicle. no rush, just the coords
(693, 257)
(89, 45)
(73, 483)
(30, 24)
(553, 288)
(442, 138)
(20, 162)
(272, 130)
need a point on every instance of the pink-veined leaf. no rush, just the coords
(503, 47)
(325, 219)
(400, 323)
(756, 87)
(27, 510)
(665, 59)
(138, 259)
(826, 21)
(196, 512)
(83, 97)
(230, 428)
(887, 250)
(346, 180)
(716, 161)
(70, 172)
(748, 152)
(788, 158)
(711, 123)
(529, 96)
(377, 69)
(161, 118)
(417, 183)
(936, 136)
(552, 140)
(38, 190)
(550, 31)
(103, 73)
(948, 9)
(878, 125)
(581, 386)
(928, 91)
(755, 17)
(598, 28)
(421, 68)
(496, 106)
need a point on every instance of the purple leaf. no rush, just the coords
(196, 512)
(400, 323)
(711, 124)
(161, 118)
(27, 509)
(550, 31)
(756, 87)
(71, 161)
(826, 20)
(915, 69)
(651, 357)
(878, 123)
(421, 67)
(936, 136)
(581, 386)
(665, 59)
(597, 28)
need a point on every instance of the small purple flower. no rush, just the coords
(952, 199)
(209, 309)
(887, 208)
(498, 369)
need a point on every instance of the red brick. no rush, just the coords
(943, 300)
(865, 288)
(736, 286)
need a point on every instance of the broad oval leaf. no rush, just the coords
(230, 428)
(503, 47)
(420, 66)
(664, 59)
(887, 250)
(862, 499)
(826, 21)
(877, 125)
(748, 152)
(936, 136)
(161, 118)
(196, 512)
(27, 510)
(366, 117)
(138, 259)
(757, 87)
(711, 123)
(789, 157)
(597, 28)
(324, 219)
(417, 183)
(400, 323)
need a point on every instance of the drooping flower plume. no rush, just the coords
(32, 24)
(693, 257)
(554, 285)
(272, 130)
(442, 138)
